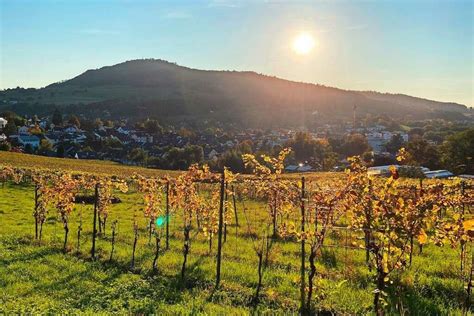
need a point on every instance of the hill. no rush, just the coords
(141, 88)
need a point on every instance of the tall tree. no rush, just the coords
(422, 153)
(57, 117)
(457, 152)
(395, 143)
(74, 120)
(355, 145)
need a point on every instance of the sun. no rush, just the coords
(303, 44)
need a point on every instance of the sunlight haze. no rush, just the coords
(420, 48)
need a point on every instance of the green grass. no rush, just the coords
(39, 278)
(100, 167)
(109, 168)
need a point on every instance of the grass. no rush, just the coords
(100, 167)
(109, 168)
(39, 278)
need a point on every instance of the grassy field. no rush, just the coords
(37, 278)
(100, 167)
(108, 168)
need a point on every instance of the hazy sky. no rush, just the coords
(421, 48)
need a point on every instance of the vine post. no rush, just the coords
(167, 217)
(225, 211)
(235, 208)
(303, 254)
(114, 227)
(219, 234)
(463, 244)
(94, 228)
(36, 211)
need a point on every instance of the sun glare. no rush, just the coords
(303, 44)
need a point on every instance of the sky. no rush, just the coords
(422, 48)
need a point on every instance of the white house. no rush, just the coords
(378, 140)
(3, 122)
(438, 174)
(122, 130)
(72, 129)
(213, 154)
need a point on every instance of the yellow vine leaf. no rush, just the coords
(422, 237)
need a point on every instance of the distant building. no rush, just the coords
(379, 139)
(3, 122)
(438, 174)
(213, 154)
(23, 130)
(25, 140)
(299, 168)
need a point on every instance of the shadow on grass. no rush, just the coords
(419, 301)
(31, 256)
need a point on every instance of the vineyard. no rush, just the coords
(201, 242)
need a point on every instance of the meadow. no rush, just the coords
(37, 277)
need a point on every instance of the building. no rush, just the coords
(3, 122)
(24, 130)
(379, 139)
(438, 174)
(299, 168)
(25, 140)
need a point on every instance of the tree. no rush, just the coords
(87, 125)
(231, 159)
(182, 158)
(138, 155)
(74, 120)
(153, 127)
(10, 128)
(354, 145)
(60, 151)
(395, 144)
(29, 149)
(457, 152)
(57, 117)
(318, 151)
(5, 146)
(98, 123)
(302, 146)
(421, 153)
(45, 146)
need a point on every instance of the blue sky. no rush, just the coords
(422, 48)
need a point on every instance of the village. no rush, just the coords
(149, 144)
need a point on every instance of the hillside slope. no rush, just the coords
(159, 88)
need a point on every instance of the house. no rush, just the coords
(291, 168)
(305, 168)
(24, 130)
(212, 154)
(142, 138)
(299, 168)
(438, 174)
(26, 140)
(385, 170)
(123, 130)
(3, 122)
(72, 129)
(53, 137)
(381, 170)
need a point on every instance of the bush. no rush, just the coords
(5, 146)
(411, 172)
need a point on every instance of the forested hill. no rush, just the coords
(150, 87)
